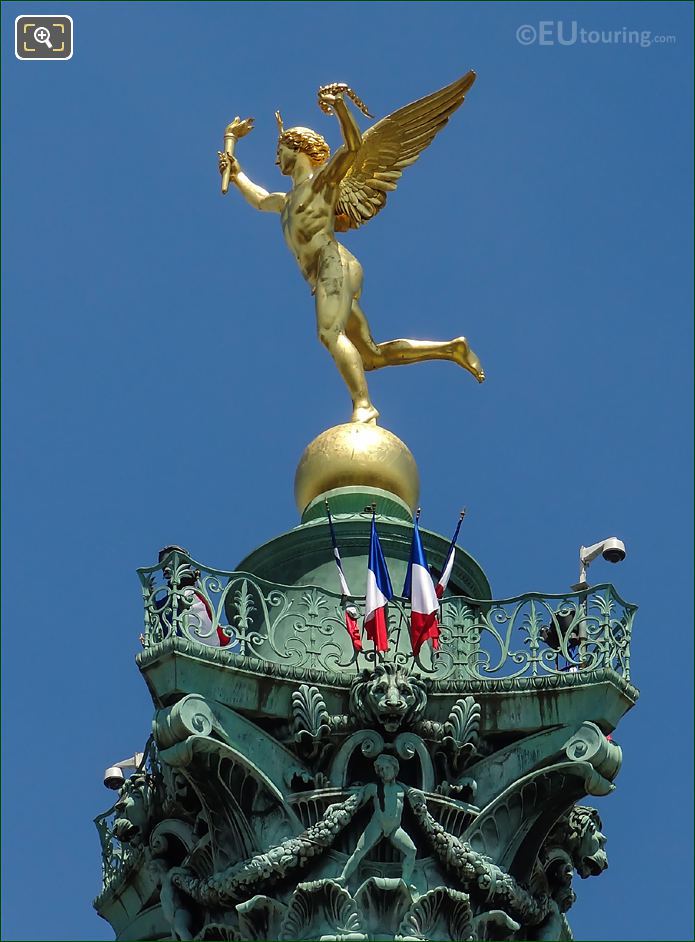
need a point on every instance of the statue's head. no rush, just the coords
(386, 767)
(293, 141)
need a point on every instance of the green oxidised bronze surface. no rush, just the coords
(255, 788)
(304, 556)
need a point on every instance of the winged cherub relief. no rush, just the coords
(334, 194)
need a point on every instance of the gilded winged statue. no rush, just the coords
(334, 194)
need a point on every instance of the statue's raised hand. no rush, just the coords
(240, 127)
(330, 94)
(228, 166)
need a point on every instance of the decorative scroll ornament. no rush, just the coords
(191, 716)
(591, 745)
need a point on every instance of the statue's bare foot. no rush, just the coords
(464, 356)
(367, 415)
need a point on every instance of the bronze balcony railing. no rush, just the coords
(304, 626)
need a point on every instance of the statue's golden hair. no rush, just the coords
(305, 141)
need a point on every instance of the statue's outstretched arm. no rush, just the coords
(342, 160)
(348, 126)
(254, 194)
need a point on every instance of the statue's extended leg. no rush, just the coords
(402, 841)
(369, 837)
(333, 304)
(398, 352)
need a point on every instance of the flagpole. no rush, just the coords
(417, 520)
(379, 593)
(448, 559)
(334, 545)
(377, 658)
(458, 525)
(350, 612)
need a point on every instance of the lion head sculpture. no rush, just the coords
(586, 842)
(134, 810)
(575, 843)
(388, 697)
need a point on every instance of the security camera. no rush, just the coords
(612, 549)
(114, 777)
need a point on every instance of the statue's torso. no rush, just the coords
(307, 224)
(390, 814)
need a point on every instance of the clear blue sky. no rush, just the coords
(162, 375)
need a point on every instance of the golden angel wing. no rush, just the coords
(390, 146)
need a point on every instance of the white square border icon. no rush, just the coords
(62, 16)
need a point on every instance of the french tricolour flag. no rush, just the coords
(350, 611)
(424, 604)
(200, 622)
(449, 561)
(379, 592)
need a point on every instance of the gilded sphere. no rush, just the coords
(352, 455)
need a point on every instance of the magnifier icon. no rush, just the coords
(43, 35)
